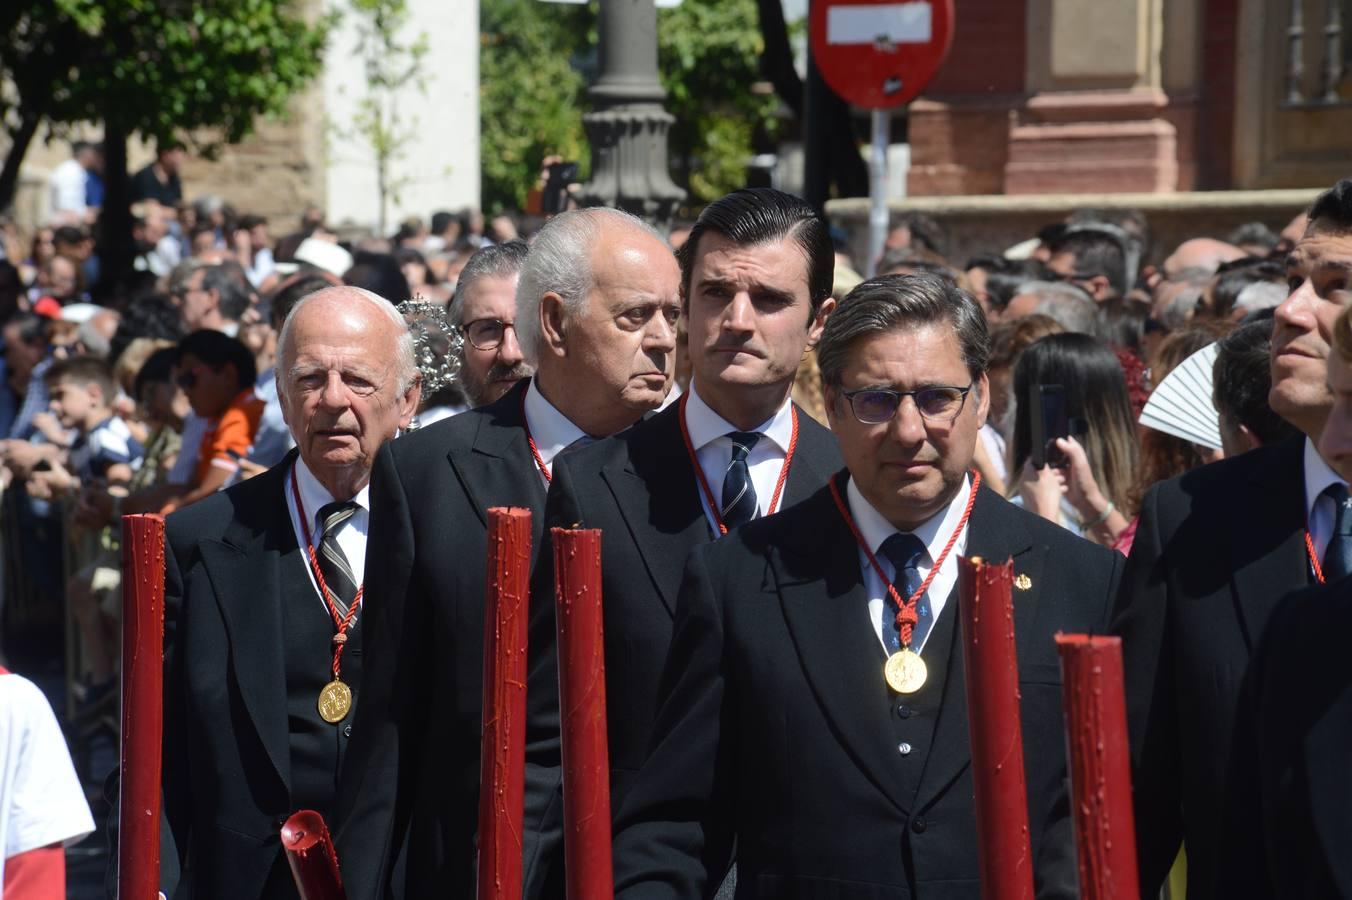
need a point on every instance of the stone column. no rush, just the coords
(628, 127)
(1098, 116)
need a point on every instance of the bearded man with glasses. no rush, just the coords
(484, 310)
(778, 729)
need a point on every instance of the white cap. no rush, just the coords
(324, 254)
(79, 313)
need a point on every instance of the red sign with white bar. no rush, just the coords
(879, 54)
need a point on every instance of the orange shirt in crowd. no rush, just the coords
(233, 431)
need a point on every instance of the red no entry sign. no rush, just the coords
(878, 54)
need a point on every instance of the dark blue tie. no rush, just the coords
(905, 552)
(739, 494)
(1338, 554)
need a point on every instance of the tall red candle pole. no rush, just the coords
(138, 852)
(992, 670)
(582, 711)
(310, 853)
(502, 757)
(1100, 765)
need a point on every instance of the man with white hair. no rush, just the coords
(263, 590)
(596, 308)
(1067, 303)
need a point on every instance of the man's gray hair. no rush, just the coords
(406, 367)
(1072, 308)
(560, 262)
(494, 261)
(894, 302)
(1261, 295)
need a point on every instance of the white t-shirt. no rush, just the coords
(41, 802)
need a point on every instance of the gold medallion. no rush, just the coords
(1023, 582)
(336, 700)
(905, 672)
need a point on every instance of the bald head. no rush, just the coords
(1201, 253)
(347, 383)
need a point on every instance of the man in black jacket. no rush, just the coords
(756, 277)
(597, 302)
(1215, 551)
(257, 715)
(1288, 827)
(777, 728)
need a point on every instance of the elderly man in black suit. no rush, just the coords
(597, 303)
(1287, 831)
(265, 648)
(756, 277)
(1216, 550)
(777, 728)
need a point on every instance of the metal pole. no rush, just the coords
(877, 191)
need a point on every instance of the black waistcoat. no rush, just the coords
(913, 715)
(317, 747)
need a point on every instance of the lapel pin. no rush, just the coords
(1023, 582)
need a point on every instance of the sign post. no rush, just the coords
(879, 55)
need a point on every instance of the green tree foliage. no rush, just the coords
(708, 52)
(531, 95)
(533, 91)
(149, 67)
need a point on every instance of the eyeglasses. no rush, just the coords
(486, 334)
(876, 406)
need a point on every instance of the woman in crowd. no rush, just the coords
(1089, 493)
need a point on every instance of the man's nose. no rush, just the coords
(908, 426)
(509, 351)
(739, 315)
(334, 394)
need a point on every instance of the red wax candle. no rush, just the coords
(582, 713)
(502, 758)
(992, 670)
(138, 852)
(1100, 765)
(309, 852)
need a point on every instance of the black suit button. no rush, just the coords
(347, 730)
(904, 711)
(279, 821)
(918, 825)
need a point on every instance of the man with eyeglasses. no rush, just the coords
(782, 727)
(596, 306)
(484, 309)
(756, 282)
(1092, 258)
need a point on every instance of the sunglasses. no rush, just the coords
(876, 406)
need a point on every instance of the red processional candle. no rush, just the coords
(502, 758)
(1100, 765)
(991, 666)
(582, 713)
(310, 853)
(138, 851)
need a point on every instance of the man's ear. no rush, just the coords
(814, 328)
(1099, 287)
(408, 403)
(553, 319)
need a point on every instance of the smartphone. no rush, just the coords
(1050, 419)
(559, 176)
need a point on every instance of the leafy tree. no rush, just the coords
(153, 68)
(533, 73)
(390, 64)
(531, 93)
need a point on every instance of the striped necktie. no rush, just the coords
(905, 551)
(332, 561)
(739, 494)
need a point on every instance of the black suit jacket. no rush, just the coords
(413, 766)
(1288, 827)
(774, 727)
(641, 490)
(1215, 551)
(231, 559)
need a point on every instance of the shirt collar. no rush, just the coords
(1318, 476)
(550, 429)
(706, 426)
(934, 532)
(315, 496)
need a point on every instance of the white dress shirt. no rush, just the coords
(1319, 510)
(550, 429)
(934, 533)
(708, 435)
(351, 533)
